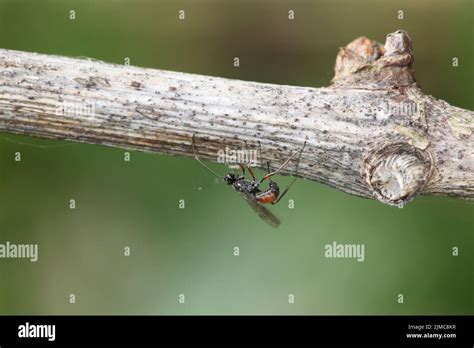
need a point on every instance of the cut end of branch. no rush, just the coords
(397, 173)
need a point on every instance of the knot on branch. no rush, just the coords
(367, 64)
(397, 173)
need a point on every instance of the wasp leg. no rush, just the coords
(294, 179)
(251, 171)
(284, 192)
(242, 167)
(269, 175)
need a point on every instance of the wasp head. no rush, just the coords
(230, 178)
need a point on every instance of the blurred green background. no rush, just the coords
(407, 251)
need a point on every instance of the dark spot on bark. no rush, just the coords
(85, 83)
(172, 88)
(136, 85)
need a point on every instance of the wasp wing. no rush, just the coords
(265, 214)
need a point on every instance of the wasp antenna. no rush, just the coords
(200, 162)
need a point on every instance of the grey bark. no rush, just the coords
(372, 133)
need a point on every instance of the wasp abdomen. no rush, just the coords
(270, 195)
(266, 197)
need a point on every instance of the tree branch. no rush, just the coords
(373, 133)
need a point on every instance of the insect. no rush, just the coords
(250, 189)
